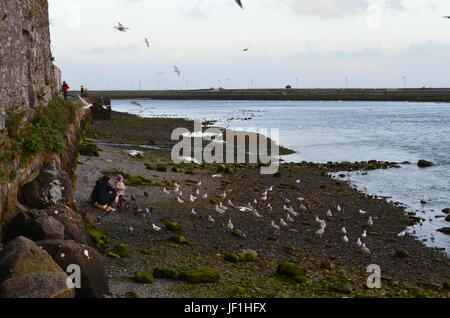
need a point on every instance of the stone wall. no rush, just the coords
(28, 77)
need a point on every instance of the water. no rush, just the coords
(348, 131)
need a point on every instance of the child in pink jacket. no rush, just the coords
(120, 186)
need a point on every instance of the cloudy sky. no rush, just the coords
(373, 43)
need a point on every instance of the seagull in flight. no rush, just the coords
(176, 70)
(239, 2)
(146, 41)
(121, 28)
(446, 17)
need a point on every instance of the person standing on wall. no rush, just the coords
(65, 88)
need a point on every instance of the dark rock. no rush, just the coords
(446, 211)
(445, 230)
(447, 218)
(424, 164)
(51, 187)
(197, 276)
(46, 227)
(34, 225)
(100, 241)
(37, 285)
(22, 256)
(94, 282)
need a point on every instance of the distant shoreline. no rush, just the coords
(385, 95)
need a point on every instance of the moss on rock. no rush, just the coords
(173, 226)
(122, 250)
(100, 240)
(196, 276)
(165, 272)
(143, 278)
(232, 258)
(292, 271)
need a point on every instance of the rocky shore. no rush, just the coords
(156, 246)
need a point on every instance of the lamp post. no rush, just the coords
(404, 81)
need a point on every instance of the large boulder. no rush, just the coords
(57, 222)
(22, 256)
(37, 285)
(51, 187)
(94, 282)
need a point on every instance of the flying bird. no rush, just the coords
(176, 70)
(446, 17)
(146, 41)
(239, 2)
(121, 28)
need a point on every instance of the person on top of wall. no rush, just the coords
(65, 88)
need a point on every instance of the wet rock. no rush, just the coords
(196, 276)
(179, 240)
(165, 272)
(424, 163)
(292, 271)
(446, 211)
(37, 285)
(447, 218)
(94, 282)
(143, 278)
(22, 256)
(51, 187)
(238, 233)
(46, 227)
(36, 223)
(445, 230)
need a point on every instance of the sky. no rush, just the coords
(304, 43)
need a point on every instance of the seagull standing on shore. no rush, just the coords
(329, 214)
(194, 213)
(339, 208)
(364, 234)
(365, 249)
(344, 231)
(205, 196)
(401, 234)
(345, 239)
(219, 210)
(211, 220)
(165, 191)
(370, 222)
(179, 200)
(358, 242)
(362, 212)
(156, 228)
(283, 223)
(321, 231)
(230, 226)
(274, 226)
(289, 219)
(192, 198)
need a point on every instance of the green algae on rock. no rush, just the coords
(122, 250)
(292, 271)
(165, 272)
(100, 240)
(196, 276)
(143, 278)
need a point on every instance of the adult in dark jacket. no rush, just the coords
(104, 194)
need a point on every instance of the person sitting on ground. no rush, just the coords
(104, 195)
(120, 186)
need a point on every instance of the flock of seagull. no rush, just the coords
(251, 208)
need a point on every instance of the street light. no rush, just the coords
(404, 81)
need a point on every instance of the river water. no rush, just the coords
(347, 131)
